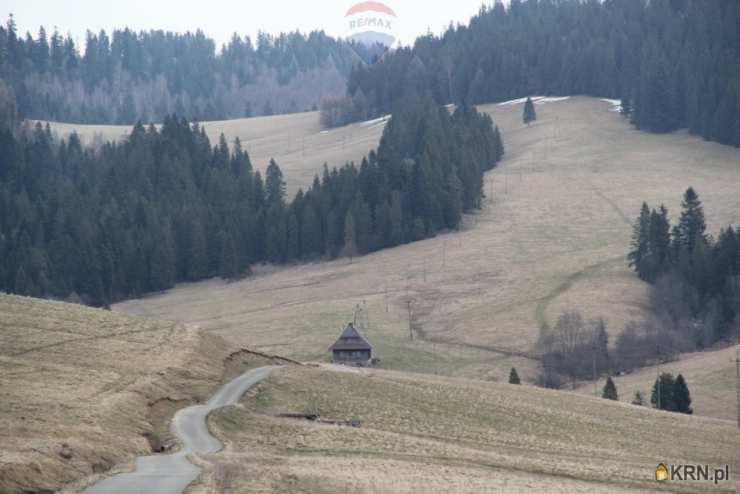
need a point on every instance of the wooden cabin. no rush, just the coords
(351, 348)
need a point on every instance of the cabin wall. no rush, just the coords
(351, 355)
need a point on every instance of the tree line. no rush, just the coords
(575, 349)
(695, 278)
(673, 63)
(125, 76)
(165, 206)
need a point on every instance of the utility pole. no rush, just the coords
(657, 385)
(444, 252)
(411, 332)
(386, 297)
(490, 193)
(593, 367)
(737, 385)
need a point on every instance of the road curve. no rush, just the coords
(171, 474)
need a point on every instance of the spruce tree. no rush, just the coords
(610, 390)
(681, 396)
(638, 399)
(638, 256)
(660, 243)
(274, 185)
(692, 225)
(530, 115)
(662, 394)
(514, 377)
(498, 144)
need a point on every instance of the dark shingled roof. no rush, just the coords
(351, 339)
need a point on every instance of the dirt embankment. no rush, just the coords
(85, 390)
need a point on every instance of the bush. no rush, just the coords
(514, 377)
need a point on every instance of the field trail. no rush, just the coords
(552, 235)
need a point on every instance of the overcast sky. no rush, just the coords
(220, 18)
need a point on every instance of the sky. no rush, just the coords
(219, 19)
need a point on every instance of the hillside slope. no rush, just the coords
(83, 389)
(296, 141)
(553, 236)
(710, 376)
(451, 435)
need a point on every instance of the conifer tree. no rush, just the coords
(274, 185)
(691, 226)
(530, 115)
(662, 394)
(681, 396)
(638, 256)
(514, 377)
(660, 243)
(498, 144)
(610, 390)
(638, 399)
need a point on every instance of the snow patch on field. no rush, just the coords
(520, 100)
(537, 100)
(551, 99)
(616, 104)
(376, 121)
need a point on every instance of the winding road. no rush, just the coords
(171, 474)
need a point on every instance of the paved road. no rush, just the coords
(171, 474)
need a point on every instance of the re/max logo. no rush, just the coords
(370, 22)
(694, 472)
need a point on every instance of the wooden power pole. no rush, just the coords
(737, 385)
(657, 382)
(593, 368)
(411, 331)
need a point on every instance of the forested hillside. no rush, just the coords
(127, 76)
(165, 206)
(674, 63)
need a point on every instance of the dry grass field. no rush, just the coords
(421, 433)
(83, 389)
(553, 236)
(710, 376)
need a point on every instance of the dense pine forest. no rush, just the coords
(674, 63)
(165, 206)
(125, 76)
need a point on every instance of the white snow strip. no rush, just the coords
(520, 100)
(616, 104)
(551, 99)
(384, 118)
(324, 132)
